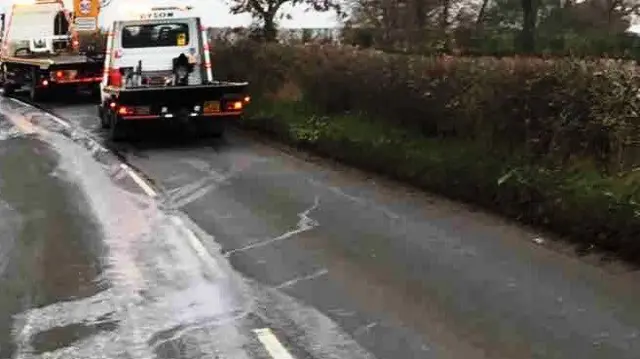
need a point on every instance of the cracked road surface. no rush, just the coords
(245, 243)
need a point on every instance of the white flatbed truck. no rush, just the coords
(158, 69)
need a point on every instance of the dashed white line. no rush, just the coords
(139, 181)
(272, 344)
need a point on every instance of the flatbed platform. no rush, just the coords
(46, 62)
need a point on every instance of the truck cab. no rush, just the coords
(144, 51)
(158, 67)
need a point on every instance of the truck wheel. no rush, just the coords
(95, 92)
(7, 88)
(217, 132)
(104, 120)
(213, 129)
(117, 129)
(37, 94)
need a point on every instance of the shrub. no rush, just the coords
(564, 111)
(552, 142)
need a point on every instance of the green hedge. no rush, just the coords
(553, 143)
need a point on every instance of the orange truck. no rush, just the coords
(47, 48)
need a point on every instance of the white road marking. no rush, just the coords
(197, 247)
(23, 125)
(139, 181)
(272, 344)
(26, 126)
(60, 121)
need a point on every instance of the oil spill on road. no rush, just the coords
(153, 266)
(49, 243)
(59, 337)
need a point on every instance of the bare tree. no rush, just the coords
(266, 11)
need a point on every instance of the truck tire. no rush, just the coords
(95, 92)
(217, 132)
(213, 129)
(37, 94)
(7, 88)
(102, 115)
(117, 128)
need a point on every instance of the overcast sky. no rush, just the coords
(216, 13)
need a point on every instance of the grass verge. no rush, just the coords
(590, 209)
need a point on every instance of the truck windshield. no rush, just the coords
(155, 35)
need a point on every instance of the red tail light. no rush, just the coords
(124, 110)
(234, 105)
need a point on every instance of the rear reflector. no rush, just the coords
(234, 106)
(64, 75)
(124, 110)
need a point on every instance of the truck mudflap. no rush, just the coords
(181, 102)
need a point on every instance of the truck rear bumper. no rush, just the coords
(189, 118)
(140, 126)
(83, 80)
(64, 86)
(178, 104)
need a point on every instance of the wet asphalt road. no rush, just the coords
(43, 224)
(336, 264)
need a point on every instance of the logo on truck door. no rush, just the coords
(157, 15)
(85, 7)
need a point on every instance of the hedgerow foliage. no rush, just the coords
(553, 142)
(558, 111)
